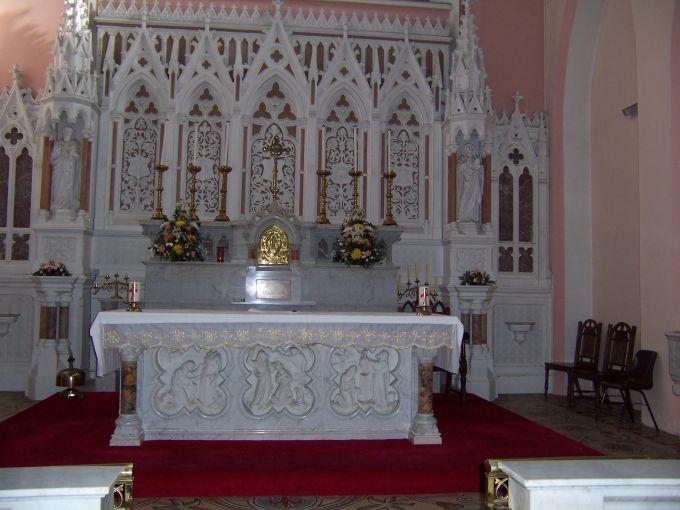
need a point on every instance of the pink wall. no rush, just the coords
(675, 137)
(511, 35)
(614, 167)
(27, 32)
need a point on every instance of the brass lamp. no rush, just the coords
(70, 378)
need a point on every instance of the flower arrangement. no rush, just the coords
(476, 277)
(179, 239)
(359, 245)
(51, 268)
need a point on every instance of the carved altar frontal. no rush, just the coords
(288, 392)
(274, 375)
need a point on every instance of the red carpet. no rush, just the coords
(61, 432)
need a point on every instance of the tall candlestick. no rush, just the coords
(389, 152)
(195, 142)
(356, 149)
(416, 271)
(323, 147)
(225, 144)
(161, 136)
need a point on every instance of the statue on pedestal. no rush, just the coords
(469, 183)
(65, 160)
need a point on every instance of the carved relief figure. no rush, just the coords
(364, 381)
(195, 382)
(65, 160)
(469, 184)
(278, 380)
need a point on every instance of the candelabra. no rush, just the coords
(322, 218)
(419, 295)
(389, 177)
(222, 214)
(114, 286)
(193, 170)
(158, 211)
(355, 174)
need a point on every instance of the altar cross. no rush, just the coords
(276, 149)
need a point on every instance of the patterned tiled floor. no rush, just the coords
(580, 422)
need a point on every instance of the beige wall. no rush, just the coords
(615, 186)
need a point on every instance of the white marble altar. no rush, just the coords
(72, 487)
(589, 484)
(274, 375)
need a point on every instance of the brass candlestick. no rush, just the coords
(158, 211)
(355, 174)
(222, 214)
(193, 170)
(389, 177)
(322, 218)
(276, 149)
(113, 286)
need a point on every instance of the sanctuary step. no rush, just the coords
(602, 484)
(99, 487)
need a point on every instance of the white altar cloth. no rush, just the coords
(114, 330)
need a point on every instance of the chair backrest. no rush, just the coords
(641, 374)
(618, 353)
(588, 340)
(440, 308)
(407, 306)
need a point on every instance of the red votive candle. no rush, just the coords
(220, 254)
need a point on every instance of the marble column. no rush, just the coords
(424, 427)
(128, 430)
(673, 338)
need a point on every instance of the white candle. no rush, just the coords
(356, 148)
(225, 144)
(427, 275)
(323, 147)
(160, 145)
(133, 292)
(195, 142)
(424, 296)
(389, 153)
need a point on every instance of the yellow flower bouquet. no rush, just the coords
(179, 239)
(359, 245)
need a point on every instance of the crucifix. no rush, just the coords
(276, 149)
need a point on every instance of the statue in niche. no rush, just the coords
(469, 184)
(65, 160)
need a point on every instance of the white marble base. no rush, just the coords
(72, 487)
(602, 484)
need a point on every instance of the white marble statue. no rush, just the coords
(65, 160)
(469, 184)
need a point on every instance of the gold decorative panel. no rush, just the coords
(274, 248)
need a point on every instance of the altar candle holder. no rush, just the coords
(322, 218)
(193, 170)
(133, 297)
(158, 210)
(389, 177)
(222, 214)
(114, 286)
(355, 174)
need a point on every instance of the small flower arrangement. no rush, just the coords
(476, 277)
(359, 245)
(179, 239)
(51, 268)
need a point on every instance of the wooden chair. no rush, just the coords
(639, 378)
(618, 356)
(586, 358)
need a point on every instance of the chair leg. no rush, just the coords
(650, 410)
(545, 384)
(570, 389)
(448, 384)
(629, 405)
(624, 406)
